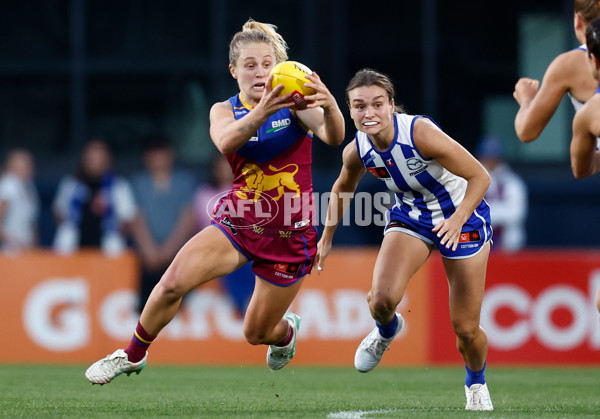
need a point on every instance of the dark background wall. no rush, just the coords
(74, 69)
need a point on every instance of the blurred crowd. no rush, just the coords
(153, 212)
(157, 209)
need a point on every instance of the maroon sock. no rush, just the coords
(288, 339)
(140, 342)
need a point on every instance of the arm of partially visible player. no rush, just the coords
(230, 134)
(342, 193)
(322, 115)
(432, 142)
(585, 158)
(3, 210)
(538, 106)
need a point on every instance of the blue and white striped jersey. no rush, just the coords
(425, 191)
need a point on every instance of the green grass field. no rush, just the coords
(295, 392)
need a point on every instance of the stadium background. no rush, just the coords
(70, 70)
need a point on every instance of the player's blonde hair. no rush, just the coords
(367, 77)
(253, 32)
(587, 10)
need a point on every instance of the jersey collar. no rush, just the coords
(244, 102)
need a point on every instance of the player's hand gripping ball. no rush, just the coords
(292, 75)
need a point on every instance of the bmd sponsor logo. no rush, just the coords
(279, 124)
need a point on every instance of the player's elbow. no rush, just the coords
(581, 166)
(226, 147)
(484, 179)
(488, 179)
(579, 172)
(339, 138)
(526, 136)
(525, 133)
(335, 139)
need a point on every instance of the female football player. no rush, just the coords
(585, 157)
(439, 190)
(268, 146)
(566, 74)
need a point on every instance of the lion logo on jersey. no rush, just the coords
(257, 181)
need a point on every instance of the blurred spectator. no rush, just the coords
(165, 220)
(506, 196)
(239, 284)
(220, 181)
(94, 207)
(19, 202)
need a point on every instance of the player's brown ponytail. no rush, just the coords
(587, 10)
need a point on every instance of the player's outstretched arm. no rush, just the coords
(538, 106)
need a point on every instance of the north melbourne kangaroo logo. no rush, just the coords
(257, 181)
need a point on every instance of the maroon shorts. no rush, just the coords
(280, 257)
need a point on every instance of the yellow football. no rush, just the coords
(292, 75)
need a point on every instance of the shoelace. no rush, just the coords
(376, 346)
(479, 398)
(114, 360)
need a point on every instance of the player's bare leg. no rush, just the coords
(391, 275)
(207, 255)
(266, 321)
(466, 278)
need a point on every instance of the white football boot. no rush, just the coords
(372, 347)
(107, 369)
(279, 356)
(478, 397)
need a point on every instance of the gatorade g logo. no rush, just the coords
(257, 181)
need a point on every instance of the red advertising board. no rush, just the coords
(538, 308)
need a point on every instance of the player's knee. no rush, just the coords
(170, 288)
(381, 306)
(465, 332)
(254, 336)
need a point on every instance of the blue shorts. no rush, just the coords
(476, 232)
